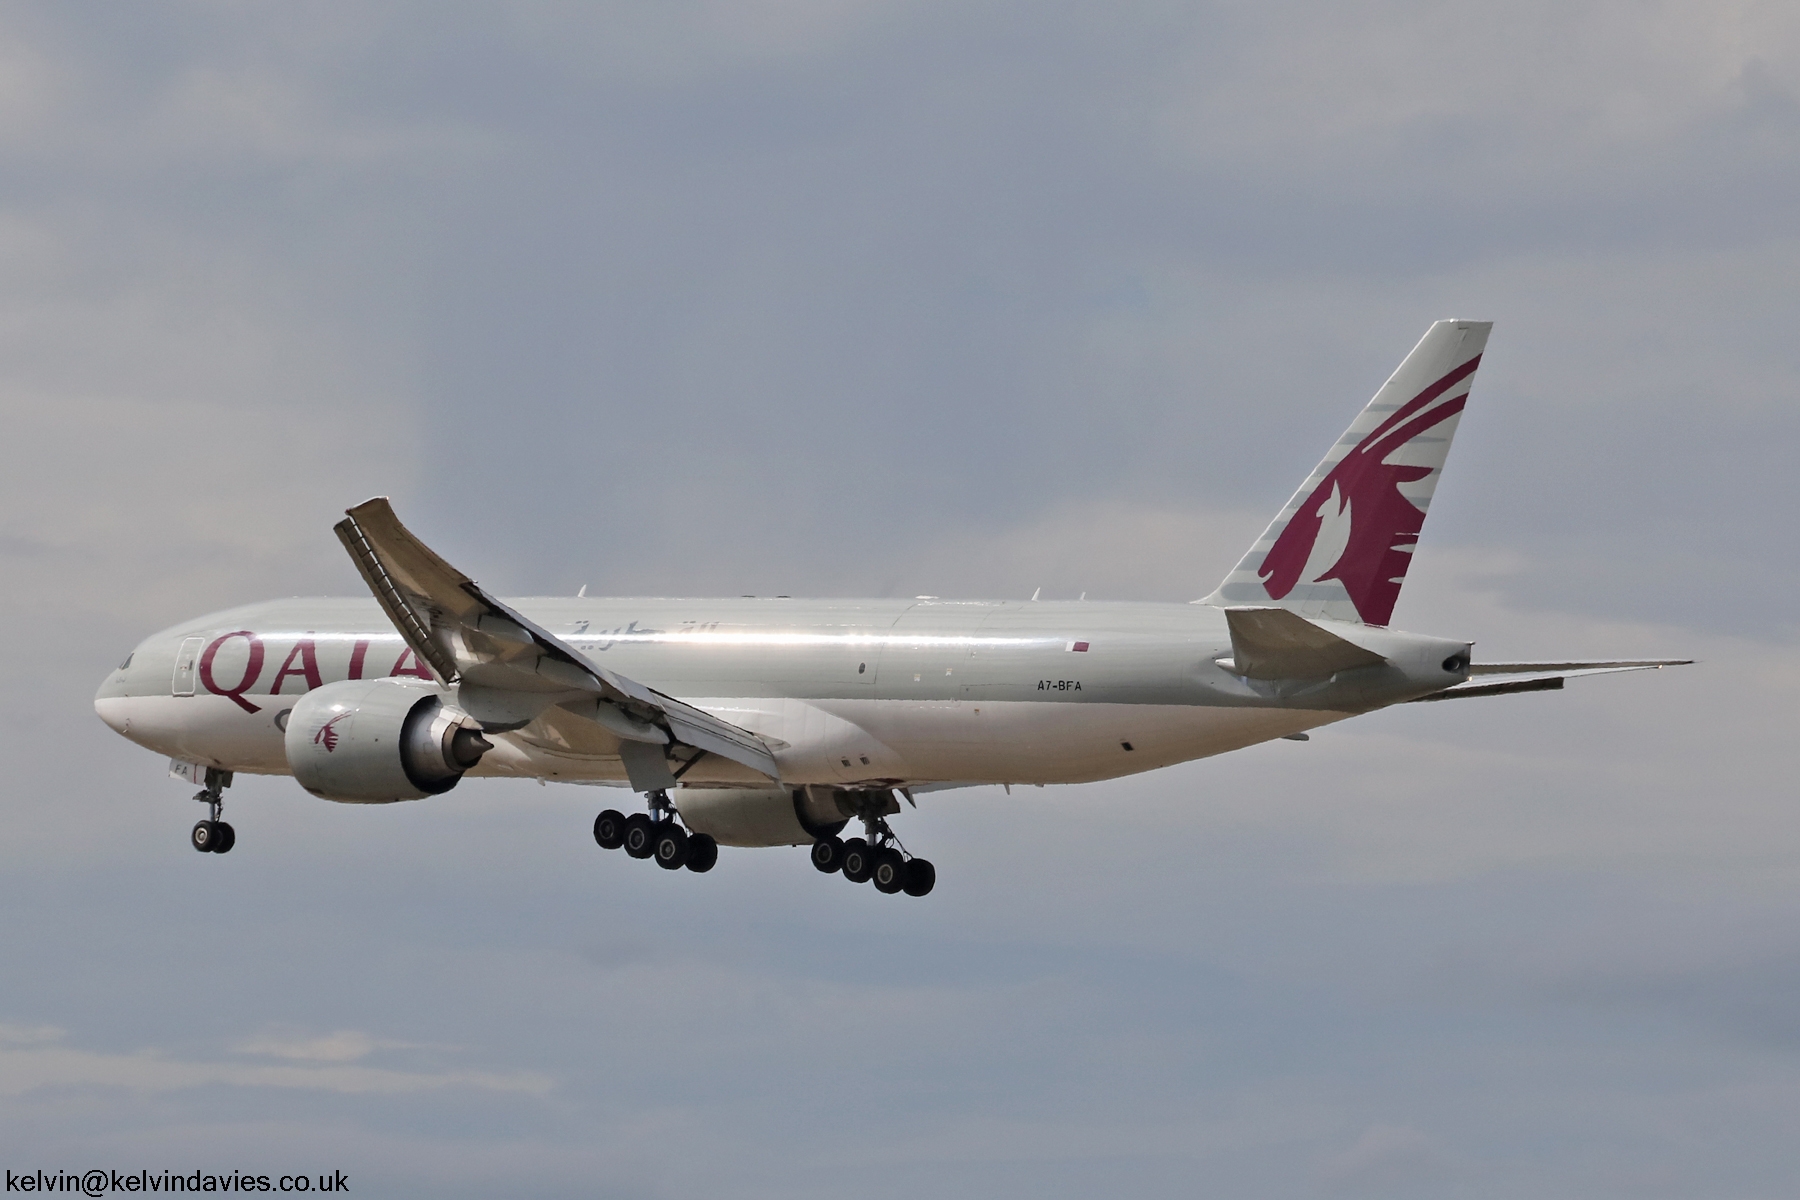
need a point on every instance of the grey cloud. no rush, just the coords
(39, 1062)
(1385, 1158)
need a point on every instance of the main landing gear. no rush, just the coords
(213, 835)
(656, 835)
(879, 859)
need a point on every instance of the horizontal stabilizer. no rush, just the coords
(1546, 682)
(1552, 684)
(1277, 643)
(1576, 668)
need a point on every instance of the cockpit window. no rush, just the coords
(127, 661)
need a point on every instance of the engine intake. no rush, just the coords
(375, 741)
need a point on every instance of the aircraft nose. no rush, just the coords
(115, 686)
(112, 710)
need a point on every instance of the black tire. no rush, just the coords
(640, 836)
(889, 875)
(828, 854)
(859, 861)
(609, 829)
(205, 833)
(225, 840)
(671, 846)
(703, 852)
(921, 877)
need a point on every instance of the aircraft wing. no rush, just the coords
(507, 669)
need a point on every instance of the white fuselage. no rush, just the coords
(846, 692)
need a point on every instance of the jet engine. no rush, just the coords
(374, 741)
(768, 816)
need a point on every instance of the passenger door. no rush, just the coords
(182, 683)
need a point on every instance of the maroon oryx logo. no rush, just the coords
(328, 734)
(1364, 490)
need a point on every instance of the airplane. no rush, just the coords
(777, 721)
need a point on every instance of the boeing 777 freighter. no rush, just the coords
(765, 722)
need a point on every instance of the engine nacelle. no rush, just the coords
(374, 741)
(767, 816)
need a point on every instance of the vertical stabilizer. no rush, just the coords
(1340, 547)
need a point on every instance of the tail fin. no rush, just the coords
(1340, 548)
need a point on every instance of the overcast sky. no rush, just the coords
(851, 297)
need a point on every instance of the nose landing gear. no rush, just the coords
(213, 835)
(656, 835)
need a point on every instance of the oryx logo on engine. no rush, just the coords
(328, 734)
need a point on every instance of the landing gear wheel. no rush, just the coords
(671, 846)
(889, 875)
(828, 854)
(213, 835)
(640, 836)
(609, 829)
(859, 861)
(702, 853)
(921, 876)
